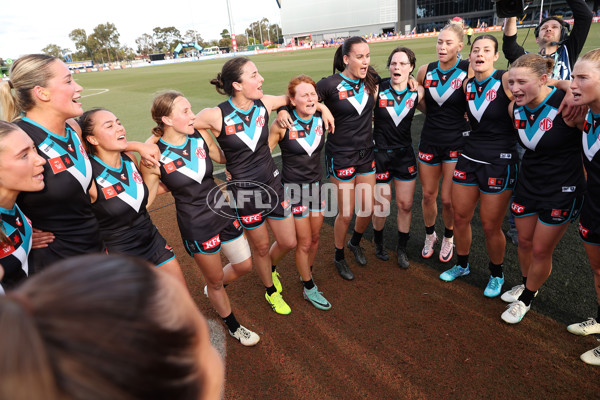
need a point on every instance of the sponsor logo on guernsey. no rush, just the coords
(200, 153)
(506, 156)
(546, 124)
(460, 174)
(212, 243)
(410, 103)
(83, 152)
(568, 189)
(490, 95)
(249, 219)
(319, 130)
(456, 83)
(137, 177)
(517, 208)
(383, 175)
(584, 231)
(260, 121)
(425, 156)
(345, 172)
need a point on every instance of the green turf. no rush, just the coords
(568, 295)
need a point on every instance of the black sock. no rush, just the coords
(448, 233)
(526, 296)
(462, 261)
(339, 254)
(524, 281)
(309, 284)
(311, 269)
(355, 241)
(271, 290)
(231, 323)
(403, 239)
(430, 229)
(378, 236)
(495, 270)
(273, 268)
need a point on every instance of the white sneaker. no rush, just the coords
(584, 328)
(447, 249)
(245, 336)
(430, 240)
(591, 357)
(515, 312)
(513, 294)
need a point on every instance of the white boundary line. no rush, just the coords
(100, 91)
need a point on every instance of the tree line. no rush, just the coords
(102, 45)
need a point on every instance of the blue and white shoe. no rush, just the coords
(316, 298)
(454, 273)
(494, 286)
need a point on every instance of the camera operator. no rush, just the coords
(553, 39)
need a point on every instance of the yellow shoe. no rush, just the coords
(277, 282)
(278, 304)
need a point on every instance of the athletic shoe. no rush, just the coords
(277, 282)
(344, 270)
(380, 252)
(585, 328)
(278, 304)
(513, 294)
(316, 298)
(402, 258)
(454, 273)
(430, 240)
(358, 254)
(513, 235)
(515, 312)
(494, 286)
(591, 357)
(245, 336)
(447, 249)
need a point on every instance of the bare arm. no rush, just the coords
(275, 135)
(214, 151)
(209, 118)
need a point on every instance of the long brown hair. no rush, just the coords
(230, 72)
(87, 128)
(371, 80)
(162, 106)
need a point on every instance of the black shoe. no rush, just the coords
(358, 254)
(402, 258)
(380, 252)
(344, 270)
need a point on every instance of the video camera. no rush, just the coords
(509, 8)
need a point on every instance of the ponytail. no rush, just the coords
(8, 105)
(231, 72)
(537, 64)
(372, 78)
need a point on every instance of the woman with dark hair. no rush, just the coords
(241, 126)
(44, 102)
(301, 147)
(105, 327)
(547, 195)
(350, 95)
(21, 169)
(586, 90)
(121, 201)
(394, 156)
(486, 171)
(443, 134)
(186, 170)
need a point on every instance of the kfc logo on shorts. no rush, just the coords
(460, 174)
(517, 208)
(490, 95)
(319, 130)
(425, 156)
(211, 243)
(260, 121)
(137, 177)
(345, 172)
(546, 124)
(200, 153)
(456, 84)
(383, 176)
(410, 103)
(249, 219)
(299, 210)
(583, 231)
(83, 152)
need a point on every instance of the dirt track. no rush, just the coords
(391, 334)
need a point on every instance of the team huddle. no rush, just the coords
(505, 140)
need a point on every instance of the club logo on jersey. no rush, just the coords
(112, 191)
(356, 97)
(590, 139)
(345, 172)
(211, 243)
(307, 135)
(546, 124)
(200, 153)
(517, 208)
(382, 176)
(174, 165)
(470, 95)
(249, 219)
(294, 134)
(425, 156)
(248, 126)
(520, 124)
(233, 129)
(345, 94)
(431, 83)
(460, 174)
(441, 93)
(584, 231)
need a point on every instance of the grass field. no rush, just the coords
(568, 295)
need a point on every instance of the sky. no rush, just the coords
(30, 26)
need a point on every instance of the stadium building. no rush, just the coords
(326, 20)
